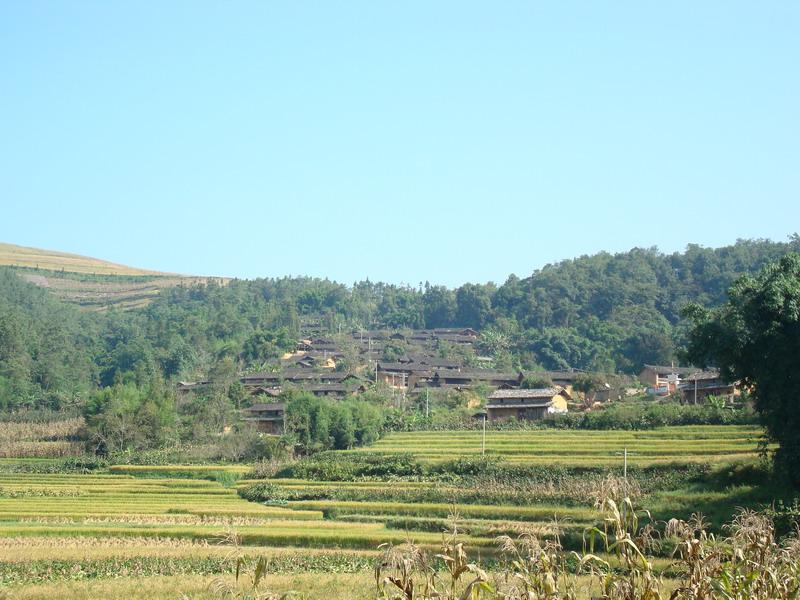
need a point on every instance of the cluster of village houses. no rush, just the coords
(312, 368)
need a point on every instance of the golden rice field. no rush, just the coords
(700, 443)
(171, 527)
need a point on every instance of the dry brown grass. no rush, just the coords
(35, 258)
(23, 549)
(314, 586)
(26, 432)
(140, 287)
(59, 449)
(167, 519)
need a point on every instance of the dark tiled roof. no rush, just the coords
(295, 375)
(478, 374)
(402, 367)
(703, 375)
(268, 391)
(672, 370)
(264, 406)
(561, 375)
(333, 388)
(525, 394)
(525, 403)
(434, 361)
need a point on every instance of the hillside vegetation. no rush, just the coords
(603, 313)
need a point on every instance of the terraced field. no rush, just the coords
(179, 521)
(91, 283)
(702, 443)
(116, 506)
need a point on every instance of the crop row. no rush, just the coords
(430, 509)
(37, 571)
(357, 536)
(40, 449)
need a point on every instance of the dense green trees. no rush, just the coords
(755, 338)
(48, 350)
(316, 424)
(129, 417)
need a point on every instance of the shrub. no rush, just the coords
(67, 465)
(264, 492)
(329, 466)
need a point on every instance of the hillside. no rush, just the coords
(90, 283)
(603, 313)
(51, 260)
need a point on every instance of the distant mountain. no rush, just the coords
(90, 282)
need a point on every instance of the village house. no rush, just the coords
(402, 375)
(267, 417)
(184, 387)
(526, 404)
(321, 360)
(260, 390)
(445, 378)
(463, 331)
(296, 376)
(696, 387)
(333, 390)
(432, 362)
(662, 380)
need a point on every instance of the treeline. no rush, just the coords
(603, 312)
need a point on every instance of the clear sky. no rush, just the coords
(400, 141)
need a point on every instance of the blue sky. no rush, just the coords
(400, 141)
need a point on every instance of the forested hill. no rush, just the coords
(602, 312)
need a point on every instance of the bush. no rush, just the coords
(329, 466)
(648, 415)
(264, 492)
(66, 465)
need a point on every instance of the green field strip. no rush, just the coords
(140, 469)
(73, 512)
(443, 510)
(274, 525)
(595, 461)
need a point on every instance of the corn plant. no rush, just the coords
(250, 574)
(405, 572)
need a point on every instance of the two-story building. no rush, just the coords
(526, 404)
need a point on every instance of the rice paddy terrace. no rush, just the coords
(702, 443)
(184, 522)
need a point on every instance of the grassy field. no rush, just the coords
(172, 526)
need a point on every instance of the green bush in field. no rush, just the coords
(649, 415)
(65, 465)
(264, 492)
(625, 415)
(329, 466)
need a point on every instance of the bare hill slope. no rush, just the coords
(91, 283)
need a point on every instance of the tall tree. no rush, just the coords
(755, 338)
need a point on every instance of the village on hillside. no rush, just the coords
(416, 367)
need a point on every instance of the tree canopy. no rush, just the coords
(755, 338)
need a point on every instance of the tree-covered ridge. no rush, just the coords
(607, 312)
